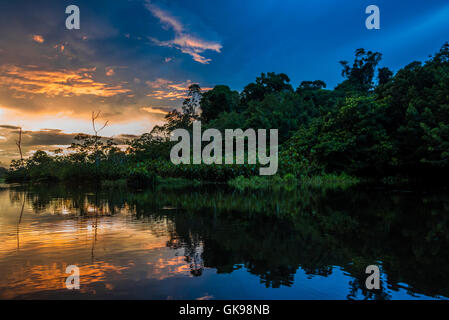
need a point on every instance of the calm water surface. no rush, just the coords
(216, 243)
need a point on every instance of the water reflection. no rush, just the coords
(217, 243)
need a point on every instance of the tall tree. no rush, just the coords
(220, 99)
(265, 84)
(359, 76)
(182, 119)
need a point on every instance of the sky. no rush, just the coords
(133, 59)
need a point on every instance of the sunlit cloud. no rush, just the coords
(38, 38)
(151, 110)
(60, 47)
(169, 90)
(56, 130)
(183, 41)
(110, 71)
(63, 82)
(158, 83)
(167, 20)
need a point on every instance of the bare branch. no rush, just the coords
(19, 145)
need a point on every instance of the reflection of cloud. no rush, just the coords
(184, 42)
(53, 238)
(56, 83)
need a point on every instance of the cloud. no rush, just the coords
(158, 83)
(64, 82)
(183, 41)
(156, 110)
(39, 39)
(9, 127)
(46, 140)
(110, 71)
(166, 18)
(169, 90)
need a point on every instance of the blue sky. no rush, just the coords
(133, 59)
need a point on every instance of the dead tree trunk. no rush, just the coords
(19, 145)
(96, 137)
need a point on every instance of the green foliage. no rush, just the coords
(418, 114)
(150, 147)
(201, 172)
(289, 182)
(398, 128)
(265, 84)
(330, 181)
(141, 176)
(219, 99)
(228, 120)
(359, 76)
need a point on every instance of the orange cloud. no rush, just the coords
(56, 83)
(158, 83)
(168, 90)
(61, 47)
(149, 110)
(110, 72)
(37, 38)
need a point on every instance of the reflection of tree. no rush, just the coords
(272, 235)
(20, 220)
(358, 285)
(192, 245)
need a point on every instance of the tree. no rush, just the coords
(149, 147)
(19, 145)
(384, 75)
(418, 114)
(192, 102)
(359, 76)
(184, 119)
(220, 99)
(265, 84)
(311, 85)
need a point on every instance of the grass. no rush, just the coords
(330, 181)
(176, 182)
(114, 184)
(290, 182)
